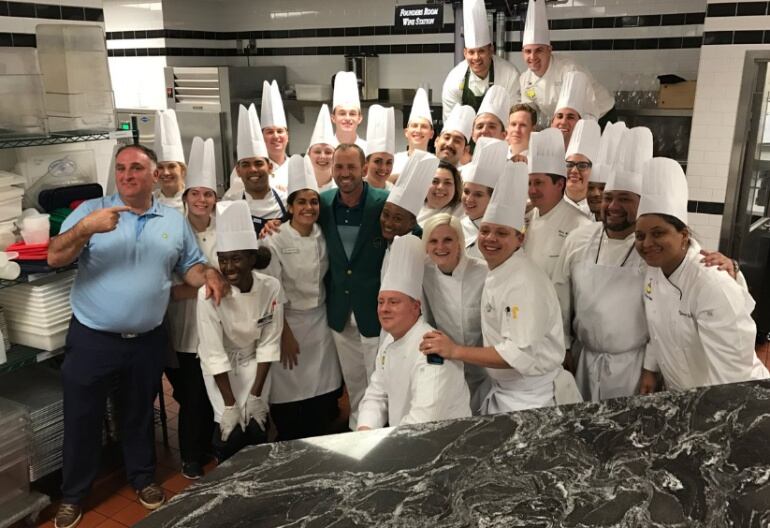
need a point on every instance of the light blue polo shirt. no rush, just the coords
(124, 276)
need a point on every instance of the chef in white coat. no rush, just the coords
(381, 144)
(480, 177)
(601, 168)
(444, 194)
(521, 123)
(598, 279)
(582, 150)
(254, 169)
(418, 131)
(346, 110)
(196, 418)
(455, 137)
(275, 130)
(240, 338)
(452, 289)
(469, 80)
(406, 387)
(320, 151)
(551, 219)
(699, 319)
(304, 389)
(492, 115)
(171, 162)
(520, 317)
(542, 82)
(575, 103)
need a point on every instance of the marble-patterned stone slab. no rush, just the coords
(694, 459)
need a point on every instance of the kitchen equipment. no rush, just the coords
(367, 70)
(22, 108)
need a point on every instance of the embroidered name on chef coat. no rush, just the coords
(289, 250)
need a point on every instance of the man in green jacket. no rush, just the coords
(350, 220)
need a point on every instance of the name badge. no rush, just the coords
(266, 320)
(288, 251)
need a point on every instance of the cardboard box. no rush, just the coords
(680, 95)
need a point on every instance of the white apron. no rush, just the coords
(530, 392)
(318, 371)
(241, 381)
(610, 324)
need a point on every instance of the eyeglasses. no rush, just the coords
(580, 165)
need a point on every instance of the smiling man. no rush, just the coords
(275, 130)
(453, 141)
(467, 82)
(254, 169)
(542, 82)
(346, 110)
(418, 131)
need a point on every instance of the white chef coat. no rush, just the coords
(300, 264)
(601, 278)
(406, 389)
(545, 234)
(360, 142)
(471, 233)
(453, 305)
(581, 206)
(544, 91)
(279, 180)
(175, 202)
(266, 207)
(182, 318)
(244, 330)
(428, 212)
(327, 186)
(701, 330)
(506, 75)
(520, 317)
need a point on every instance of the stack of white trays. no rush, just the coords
(14, 451)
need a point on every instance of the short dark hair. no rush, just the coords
(342, 147)
(524, 107)
(556, 177)
(138, 146)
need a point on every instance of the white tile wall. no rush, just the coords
(127, 15)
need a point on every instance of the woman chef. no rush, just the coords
(321, 150)
(444, 194)
(305, 388)
(196, 419)
(171, 166)
(699, 318)
(520, 316)
(240, 337)
(452, 288)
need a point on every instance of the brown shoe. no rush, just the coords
(68, 516)
(152, 496)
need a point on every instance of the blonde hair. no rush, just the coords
(443, 219)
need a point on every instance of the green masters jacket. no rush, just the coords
(354, 284)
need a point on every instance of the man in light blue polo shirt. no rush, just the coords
(127, 246)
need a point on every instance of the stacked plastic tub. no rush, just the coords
(14, 452)
(38, 389)
(38, 313)
(22, 108)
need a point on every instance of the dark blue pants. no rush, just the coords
(93, 364)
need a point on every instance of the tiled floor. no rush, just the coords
(113, 504)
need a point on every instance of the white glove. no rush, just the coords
(256, 408)
(231, 417)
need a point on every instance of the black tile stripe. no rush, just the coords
(278, 52)
(712, 208)
(678, 19)
(618, 44)
(51, 11)
(731, 9)
(715, 38)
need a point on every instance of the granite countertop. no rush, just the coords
(696, 458)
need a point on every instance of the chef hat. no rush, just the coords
(323, 131)
(234, 229)
(251, 143)
(168, 140)
(412, 185)
(546, 152)
(272, 106)
(488, 163)
(475, 24)
(345, 90)
(460, 120)
(406, 266)
(380, 130)
(664, 189)
(577, 94)
(536, 25)
(202, 169)
(301, 175)
(585, 139)
(497, 102)
(420, 107)
(609, 147)
(634, 152)
(509, 199)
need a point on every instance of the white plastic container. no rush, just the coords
(10, 203)
(79, 104)
(31, 336)
(18, 61)
(73, 59)
(102, 122)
